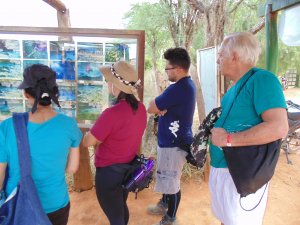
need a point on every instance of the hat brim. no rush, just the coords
(109, 77)
(23, 85)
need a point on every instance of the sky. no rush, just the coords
(83, 13)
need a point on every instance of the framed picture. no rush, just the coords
(88, 111)
(88, 51)
(9, 106)
(35, 49)
(89, 93)
(75, 59)
(115, 52)
(9, 49)
(89, 71)
(30, 62)
(8, 89)
(65, 70)
(10, 69)
(67, 93)
(67, 107)
(62, 51)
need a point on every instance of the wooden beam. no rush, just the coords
(277, 5)
(90, 32)
(271, 40)
(57, 4)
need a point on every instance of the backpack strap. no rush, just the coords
(20, 121)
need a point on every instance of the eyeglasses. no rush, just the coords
(171, 68)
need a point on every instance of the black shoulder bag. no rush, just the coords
(251, 167)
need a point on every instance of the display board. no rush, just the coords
(207, 73)
(76, 61)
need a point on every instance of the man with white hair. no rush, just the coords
(258, 116)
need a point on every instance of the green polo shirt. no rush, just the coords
(261, 92)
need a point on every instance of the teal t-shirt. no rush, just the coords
(50, 143)
(261, 92)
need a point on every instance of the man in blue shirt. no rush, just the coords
(176, 106)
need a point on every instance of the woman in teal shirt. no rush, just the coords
(54, 144)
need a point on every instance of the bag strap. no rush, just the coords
(20, 121)
(239, 91)
(249, 210)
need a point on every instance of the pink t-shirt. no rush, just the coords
(120, 130)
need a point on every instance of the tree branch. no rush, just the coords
(198, 5)
(257, 27)
(236, 6)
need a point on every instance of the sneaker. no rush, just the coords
(166, 220)
(159, 209)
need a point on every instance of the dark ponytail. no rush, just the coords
(130, 99)
(42, 94)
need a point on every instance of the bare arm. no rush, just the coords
(73, 160)
(2, 174)
(90, 140)
(152, 109)
(274, 126)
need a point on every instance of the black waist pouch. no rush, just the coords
(251, 167)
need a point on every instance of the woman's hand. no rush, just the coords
(73, 160)
(2, 173)
(90, 140)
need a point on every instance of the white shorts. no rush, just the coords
(170, 162)
(225, 201)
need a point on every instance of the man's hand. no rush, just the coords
(219, 137)
(161, 113)
(152, 109)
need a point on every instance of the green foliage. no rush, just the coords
(153, 19)
(244, 18)
(148, 64)
(149, 17)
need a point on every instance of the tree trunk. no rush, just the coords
(199, 96)
(154, 60)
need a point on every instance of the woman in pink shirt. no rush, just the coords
(118, 133)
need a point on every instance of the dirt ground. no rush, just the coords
(283, 206)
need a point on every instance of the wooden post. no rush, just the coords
(63, 21)
(271, 40)
(83, 179)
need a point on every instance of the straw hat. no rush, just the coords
(123, 75)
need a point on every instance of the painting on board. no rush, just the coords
(65, 70)
(67, 108)
(88, 111)
(34, 49)
(30, 62)
(9, 106)
(62, 51)
(10, 69)
(88, 51)
(9, 49)
(89, 71)
(115, 52)
(67, 93)
(8, 89)
(89, 93)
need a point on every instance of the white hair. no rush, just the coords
(244, 44)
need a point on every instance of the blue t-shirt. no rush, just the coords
(175, 127)
(49, 148)
(261, 92)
